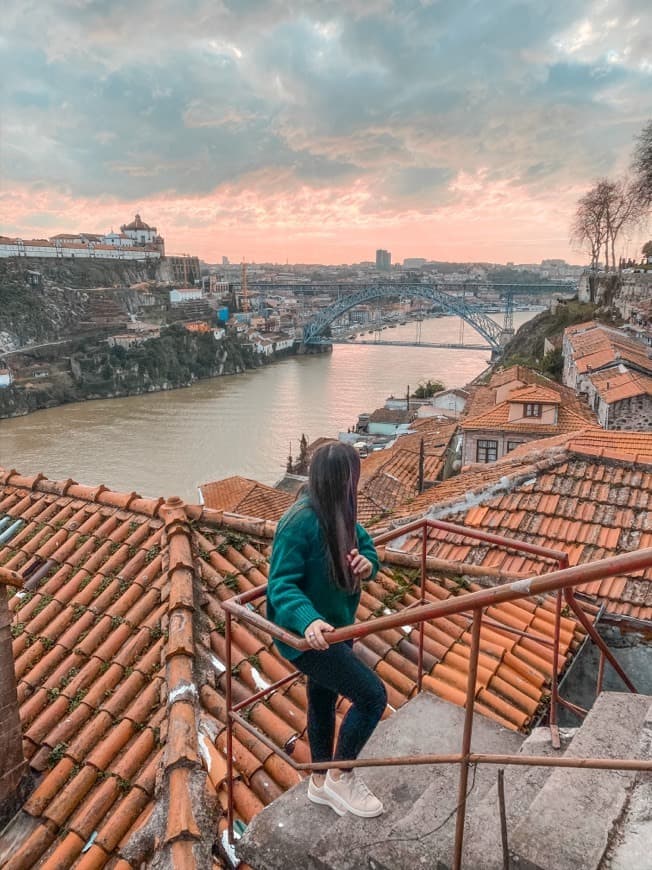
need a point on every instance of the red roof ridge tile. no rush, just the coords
(181, 754)
(99, 494)
(256, 526)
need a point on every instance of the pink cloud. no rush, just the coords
(265, 218)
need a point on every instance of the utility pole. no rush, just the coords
(422, 458)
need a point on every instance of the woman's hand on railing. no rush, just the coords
(314, 634)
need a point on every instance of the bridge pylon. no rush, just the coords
(506, 335)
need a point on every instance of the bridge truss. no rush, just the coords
(316, 332)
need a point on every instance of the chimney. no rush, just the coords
(13, 766)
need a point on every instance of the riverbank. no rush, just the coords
(86, 370)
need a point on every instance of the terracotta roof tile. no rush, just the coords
(585, 493)
(535, 393)
(616, 386)
(498, 418)
(390, 477)
(247, 497)
(595, 346)
(120, 658)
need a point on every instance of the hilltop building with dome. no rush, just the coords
(143, 235)
(135, 241)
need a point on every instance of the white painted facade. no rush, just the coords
(6, 378)
(51, 250)
(284, 343)
(118, 240)
(185, 294)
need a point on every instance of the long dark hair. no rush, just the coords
(333, 492)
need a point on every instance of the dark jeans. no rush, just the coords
(332, 672)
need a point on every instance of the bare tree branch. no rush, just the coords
(642, 166)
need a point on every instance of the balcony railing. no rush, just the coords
(562, 582)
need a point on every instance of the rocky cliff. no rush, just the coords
(630, 293)
(88, 371)
(54, 317)
(527, 347)
(47, 300)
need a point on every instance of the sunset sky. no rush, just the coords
(318, 131)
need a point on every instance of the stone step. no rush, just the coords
(293, 833)
(569, 823)
(631, 841)
(482, 837)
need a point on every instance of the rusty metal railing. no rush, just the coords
(561, 582)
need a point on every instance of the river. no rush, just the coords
(169, 442)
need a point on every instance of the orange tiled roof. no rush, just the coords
(634, 447)
(247, 497)
(595, 346)
(513, 373)
(535, 393)
(586, 493)
(484, 397)
(498, 418)
(389, 477)
(119, 655)
(618, 386)
(567, 395)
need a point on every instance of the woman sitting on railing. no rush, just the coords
(320, 556)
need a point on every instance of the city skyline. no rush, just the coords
(322, 131)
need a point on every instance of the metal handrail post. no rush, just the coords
(424, 551)
(554, 687)
(229, 730)
(598, 687)
(466, 738)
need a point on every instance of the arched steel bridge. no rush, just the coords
(316, 331)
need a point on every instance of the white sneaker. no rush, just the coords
(317, 794)
(353, 794)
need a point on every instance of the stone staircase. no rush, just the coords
(557, 818)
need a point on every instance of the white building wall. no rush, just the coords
(18, 248)
(184, 295)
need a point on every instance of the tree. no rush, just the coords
(301, 465)
(553, 363)
(624, 210)
(602, 215)
(647, 249)
(428, 388)
(642, 166)
(589, 229)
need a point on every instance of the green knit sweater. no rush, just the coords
(299, 587)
